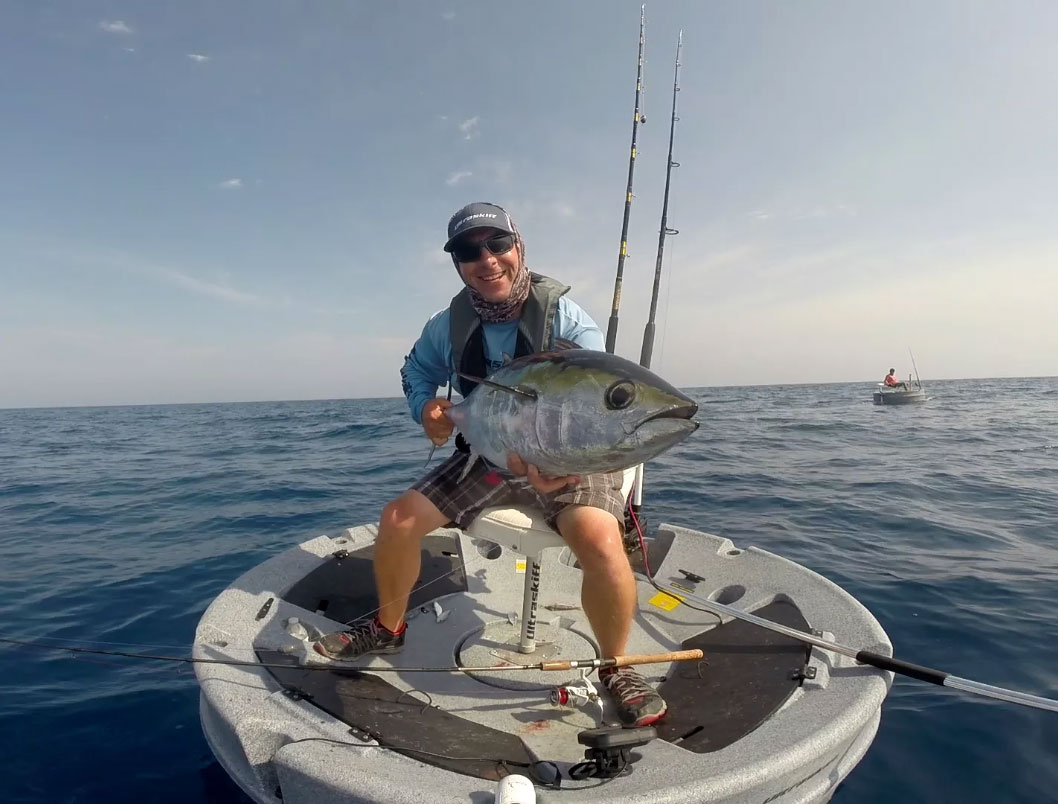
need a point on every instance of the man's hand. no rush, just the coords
(435, 421)
(545, 484)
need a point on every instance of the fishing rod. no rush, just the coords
(611, 327)
(648, 332)
(918, 378)
(873, 659)
(629, 660)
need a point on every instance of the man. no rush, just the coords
(504, 309)
(891, 380)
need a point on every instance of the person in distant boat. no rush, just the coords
(891, 380)
(503, 309)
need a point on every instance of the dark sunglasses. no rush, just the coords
(466, 251)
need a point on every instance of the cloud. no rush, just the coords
(230, 184)
(448, 15)
(74, 255)
(818, 212)
(116, 27)
(565, 210)
(210, 289)
(197, 57)
(469, 128)
(457, 177)
(501, 170)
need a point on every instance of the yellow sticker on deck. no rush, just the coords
(519, 566)
(666, 601)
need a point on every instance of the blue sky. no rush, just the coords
(210, 201)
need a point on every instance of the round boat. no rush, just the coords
(762, 717)
(903, 394)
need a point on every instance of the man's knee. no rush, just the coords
(594, 536)
(410, 516)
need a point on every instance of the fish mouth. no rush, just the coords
(678, 412)
(666, 426)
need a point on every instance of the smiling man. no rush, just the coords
(503, 309)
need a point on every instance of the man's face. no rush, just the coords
(491, 275)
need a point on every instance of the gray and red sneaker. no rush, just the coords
(366, 636)
(638, 703)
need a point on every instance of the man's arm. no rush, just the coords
(426, 367)
(572, 323)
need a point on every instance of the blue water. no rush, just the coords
(119, 525)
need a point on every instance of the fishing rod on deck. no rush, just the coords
(637, 118)
(628, 660)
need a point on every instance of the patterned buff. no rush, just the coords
(499, 312)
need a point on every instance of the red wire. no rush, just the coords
(639, 530)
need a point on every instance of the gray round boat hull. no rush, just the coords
(899, 396)
(275, 742)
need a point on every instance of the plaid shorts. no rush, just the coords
(485, 486)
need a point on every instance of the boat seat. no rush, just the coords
(523, 530)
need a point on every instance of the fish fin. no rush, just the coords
(506, 358)
(470, 463)
(433, 449)
(561, 344)
(498, 386)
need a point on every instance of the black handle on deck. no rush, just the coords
(903, 668)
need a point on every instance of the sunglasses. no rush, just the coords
(466, 251)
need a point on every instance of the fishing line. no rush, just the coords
(552, 665)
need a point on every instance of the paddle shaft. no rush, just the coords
(889, 663)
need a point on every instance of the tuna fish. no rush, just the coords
(573, 412)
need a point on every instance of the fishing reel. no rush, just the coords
(581, 694)
(609, 751)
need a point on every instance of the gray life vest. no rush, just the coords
(535, 328)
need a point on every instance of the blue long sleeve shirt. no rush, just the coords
(429, 364)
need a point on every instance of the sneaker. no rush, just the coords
(638, 704)
(366, 636)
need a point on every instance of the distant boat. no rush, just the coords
(906, 393)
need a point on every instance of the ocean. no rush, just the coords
(118, 525)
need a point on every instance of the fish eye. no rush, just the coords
(620, 395)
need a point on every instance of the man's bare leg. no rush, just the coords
(397, 565)
(401, 528)
(608, 592)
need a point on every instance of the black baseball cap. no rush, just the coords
(478, 215)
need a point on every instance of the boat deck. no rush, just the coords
(760, 715)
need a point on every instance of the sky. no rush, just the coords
(208, 202)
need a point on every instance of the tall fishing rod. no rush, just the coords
(648, 332)
(918, 377)
(871, 658)
(611, 327)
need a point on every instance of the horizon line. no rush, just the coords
(382, 398)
